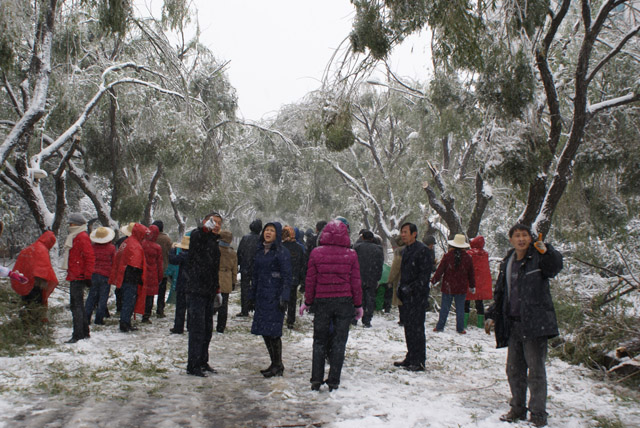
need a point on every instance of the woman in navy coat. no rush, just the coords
(270, 293)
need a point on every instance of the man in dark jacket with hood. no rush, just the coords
(524, 319)
(246, 252)
(371, 259)
(202, 288)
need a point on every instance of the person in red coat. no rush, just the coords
(127, 274)
(78, 261)
(105, 252)
(153, 277)
(456, 271)
(35, 264)
(482, 273)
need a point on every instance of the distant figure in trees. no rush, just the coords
(34, 264)
(456, 271)
(525, 319)
(370, 259)
(154, 273)
(78, 261)
(105, 252)
(297, 271)
(333, 288)
(246, 252)
(165, 243)
(270, 293)
(227, 276)
(482, 272)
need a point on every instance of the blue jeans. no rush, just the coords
(444, 311)
(129, 295)
(98, 293)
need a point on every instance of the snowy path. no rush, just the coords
(139, 380)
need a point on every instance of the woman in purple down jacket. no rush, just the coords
(333, 288)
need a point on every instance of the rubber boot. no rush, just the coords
(268, 342)
(480, 321)
(278, 368)
(466, 319)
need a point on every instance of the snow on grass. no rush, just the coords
(139, 379)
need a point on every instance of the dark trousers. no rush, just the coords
(76, 300)
(200, 330)
(479, 306)
(129, 293)
(148, 307)
(414, 318)
(388, 298)
(336, 311)
(368, 301)
(118, 294)
(162, 291)
(402, 313)
(34, 310)
(245, 291)
(223, 313)
(526, 368)
(98, 294)
(292, 305)
(181, 308)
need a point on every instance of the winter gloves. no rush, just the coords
(217, 301)
(303, 308)
(539, 245)
(359, 313)
(488, 325)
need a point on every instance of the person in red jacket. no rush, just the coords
(482, 273)
(105, 251)
(333, 288)
(35, 264)
(456, 271)
(78, 261)
(153, 278)
(127, 274)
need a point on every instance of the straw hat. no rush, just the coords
(102, 235)
(459, 241)
(127, 230)
(184, 244)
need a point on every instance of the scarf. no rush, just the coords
(267, 247)
(68, 243)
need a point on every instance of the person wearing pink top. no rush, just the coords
(333, 288)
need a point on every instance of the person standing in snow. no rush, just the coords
(370, 259)
(165, 243)
(246, 252)
(178, 257)
(203, 291)
(394, 276)
(78, 261)
(105, 252)
(154, 274)
(456, 271)
(270, 293)
(525, 319)
(334, 289)
(227, 276)
(413, 291)
(297, 262)
(482, 273)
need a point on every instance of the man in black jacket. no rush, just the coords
(246, 252)
(524, 319)
(413, 291)
(371, 259)
(202, 288)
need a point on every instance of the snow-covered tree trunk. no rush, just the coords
(152, 196)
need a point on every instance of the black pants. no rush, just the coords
(245, 291)
(414, 318)
(34, 310)
(76, 301)
(118, 294)
(148, 307)
(223, 313)
(292, 305)
(339, 312)
(181, 308)
(369, 291)
(162, 290)
(388, 298)
(479, 306)
(200, 330)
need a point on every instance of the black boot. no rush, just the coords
(278, 368)
(269, 342)
(124, 327)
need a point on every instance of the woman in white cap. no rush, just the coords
(456, 272)
(104, 251)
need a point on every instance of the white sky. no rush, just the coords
(279, 49)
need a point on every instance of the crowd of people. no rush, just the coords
(340, 283)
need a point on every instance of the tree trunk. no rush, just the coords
(482, 200)
(153, 196)
(176, 210)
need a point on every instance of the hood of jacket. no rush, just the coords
(226, 236)
(139, 232)
(154, 231)
(278, 227)
(256, 226)
(477, 242)
(335, 233)
(48, 239)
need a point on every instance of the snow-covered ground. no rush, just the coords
(139, 380)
